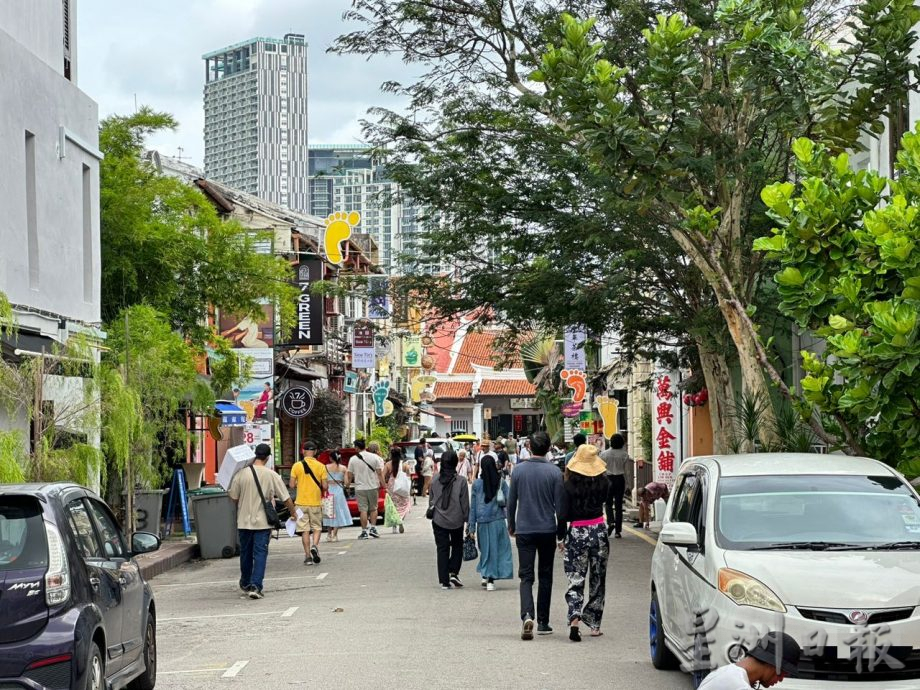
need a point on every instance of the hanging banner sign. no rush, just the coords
(666, 446)
(378, 305)
(574, 342)
(296, 402)
(411, 351)
(363, 352)
(308, 329)
(351, 382)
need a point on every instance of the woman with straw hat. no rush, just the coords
(582, 537)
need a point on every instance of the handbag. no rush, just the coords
(270, 513)
(500, 499)
(470, 552)
(329, 506)
(401, 485)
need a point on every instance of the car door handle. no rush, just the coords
(95, 582)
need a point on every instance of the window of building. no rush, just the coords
(31, 211)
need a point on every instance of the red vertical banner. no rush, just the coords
(666, 419)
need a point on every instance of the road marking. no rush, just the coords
(290, 612)
(341, 553)
(321, 576)
(642, 535)
(194, 670)
(347, 546)
(221, 615)
(234, 670)
(229, 582)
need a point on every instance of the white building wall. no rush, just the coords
(38, 25)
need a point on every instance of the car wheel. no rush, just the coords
(95, 670)
(148, 679)
(662, 657)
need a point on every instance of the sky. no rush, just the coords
(149, 53)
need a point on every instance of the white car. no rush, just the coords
(823, 547)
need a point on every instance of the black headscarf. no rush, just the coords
(448, 469)
(490, 478)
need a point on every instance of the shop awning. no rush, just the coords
(230, 414)
(25, 344)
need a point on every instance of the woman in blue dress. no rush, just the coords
(488, 526)
(337, 485)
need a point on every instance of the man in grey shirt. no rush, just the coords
(620, 469)
(534, 504)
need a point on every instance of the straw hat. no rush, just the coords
(586, 461)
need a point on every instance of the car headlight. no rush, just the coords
(745, 590)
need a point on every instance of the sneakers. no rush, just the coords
(446, 586)
(255, 593)
(363, 534)
(484, 582)
(308, 560)
(618, 535)
(373, 533)
(455, 580)
(638, 524)
(315, 553)
(544, 629)
(527, 629)
(490, 587)
(402, 528)
(244, 588)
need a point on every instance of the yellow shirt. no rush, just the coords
(308, 492)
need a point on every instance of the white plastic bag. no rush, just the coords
(402, 486)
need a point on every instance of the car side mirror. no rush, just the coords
(144, 542)
(679, 534)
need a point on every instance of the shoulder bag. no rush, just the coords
(270, 513)
(500, 499)
(327, 500)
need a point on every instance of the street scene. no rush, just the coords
(460, 343)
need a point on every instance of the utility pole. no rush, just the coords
(129, 474)
(37, 417)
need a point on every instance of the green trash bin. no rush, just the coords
(215, 523)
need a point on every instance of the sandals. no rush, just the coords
(596, 632)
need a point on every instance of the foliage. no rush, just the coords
(645, 434)
(787, 432)
(7, 318)
(12, 458)
(382, 435)
(847, 245)
(327, 421)
(164, 245)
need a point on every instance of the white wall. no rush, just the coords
(39, 26)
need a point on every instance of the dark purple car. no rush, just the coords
(75, 611)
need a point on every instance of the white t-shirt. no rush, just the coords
(366, 477)
(729, 677)
(525, 454)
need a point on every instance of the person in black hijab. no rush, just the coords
(449, 508)
(489, 527)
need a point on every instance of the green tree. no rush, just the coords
(622, 175)
(847, 244)
(164, 245)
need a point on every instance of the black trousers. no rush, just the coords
(615, 502)
(449, 543)
(539, 549)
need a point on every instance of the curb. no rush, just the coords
(168, 557)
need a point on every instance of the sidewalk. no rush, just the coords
(168, 556)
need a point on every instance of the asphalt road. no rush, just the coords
(371, 615)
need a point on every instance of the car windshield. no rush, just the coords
(22, 534)
(816, 511)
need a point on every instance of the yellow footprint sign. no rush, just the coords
(419, 384)
(608, 408)
(338, 229)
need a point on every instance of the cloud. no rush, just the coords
(151, 53)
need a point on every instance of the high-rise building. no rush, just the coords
(255, 119)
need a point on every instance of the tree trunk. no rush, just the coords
(716, 371)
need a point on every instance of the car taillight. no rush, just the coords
(50, 661)
(57, 579)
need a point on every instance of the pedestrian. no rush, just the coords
(365, 471)
(503, 462)
(309, 478)
(427, 471)
(489, 527)
(476, 453)
(419, 455)
(338, 487)
(264, 399)
(464, 466)
(511, 449)
(534, 503)
(620, 474)
(525, 453)
(397, 483)
(449, 506)
(578, 440)
(251, 521)
(774, 658)
(584, 540)
(647, 496)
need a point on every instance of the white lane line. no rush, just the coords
(321, 576)
(221, 615)
(194, 670)
(234, 670)
(290, 612)
(230, 582)
(341, 553)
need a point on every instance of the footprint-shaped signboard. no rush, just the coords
(379, 395)
(338, 229)
(575, 379)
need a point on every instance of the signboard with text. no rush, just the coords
(574, 342)
(308, 327)
(378, 304)
(523, 403)
(666, 445)
(363, 352)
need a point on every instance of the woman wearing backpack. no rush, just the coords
(487, 513)
(399, 487)
(448, 509)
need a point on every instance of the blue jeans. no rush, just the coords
(253, 556)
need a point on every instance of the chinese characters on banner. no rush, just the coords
(574, 341)
(666, 419)
(363, 353)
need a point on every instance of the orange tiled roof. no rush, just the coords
(453, 389)
(479, 349)
(507, 387)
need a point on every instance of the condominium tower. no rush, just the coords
(255, 119)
